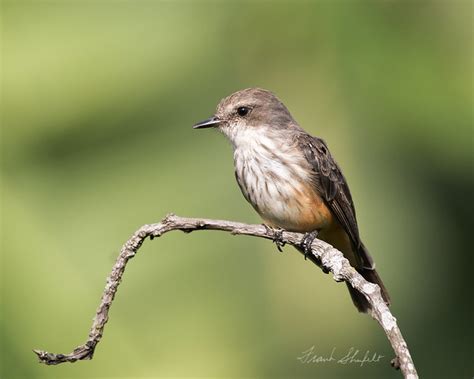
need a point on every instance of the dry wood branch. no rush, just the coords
(323, 254)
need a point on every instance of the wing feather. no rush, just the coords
(331, 182)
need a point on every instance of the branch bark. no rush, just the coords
(323, 255)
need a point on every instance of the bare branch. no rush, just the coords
(323, 254)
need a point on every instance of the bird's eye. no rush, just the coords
(243, 111)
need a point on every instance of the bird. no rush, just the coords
(291, 179)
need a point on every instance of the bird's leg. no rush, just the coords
(307, 241)
(277, 236)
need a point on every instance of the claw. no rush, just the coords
(277, 237)
(307, 241)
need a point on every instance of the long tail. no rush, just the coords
(358, 299)
(371, 275)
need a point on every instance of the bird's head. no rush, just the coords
(251, 110)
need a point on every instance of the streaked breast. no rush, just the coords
(276, 179)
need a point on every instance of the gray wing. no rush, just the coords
(333, 187)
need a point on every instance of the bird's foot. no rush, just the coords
(307, 241)
(277, 238)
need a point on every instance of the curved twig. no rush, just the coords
(322, 254)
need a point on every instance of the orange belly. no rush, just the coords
(303, 212)
(306, 212)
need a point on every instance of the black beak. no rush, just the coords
(209, 123)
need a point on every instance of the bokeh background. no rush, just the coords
(98, 100)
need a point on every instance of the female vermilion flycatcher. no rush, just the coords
(290, 177)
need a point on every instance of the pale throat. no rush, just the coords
(274, 177)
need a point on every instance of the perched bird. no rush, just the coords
(290, 177)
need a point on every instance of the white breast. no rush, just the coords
(273, 176)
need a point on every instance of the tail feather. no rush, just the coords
(358, 299)
(364, 264)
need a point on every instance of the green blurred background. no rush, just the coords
(98, 99)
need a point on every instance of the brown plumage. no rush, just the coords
(290, 177)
